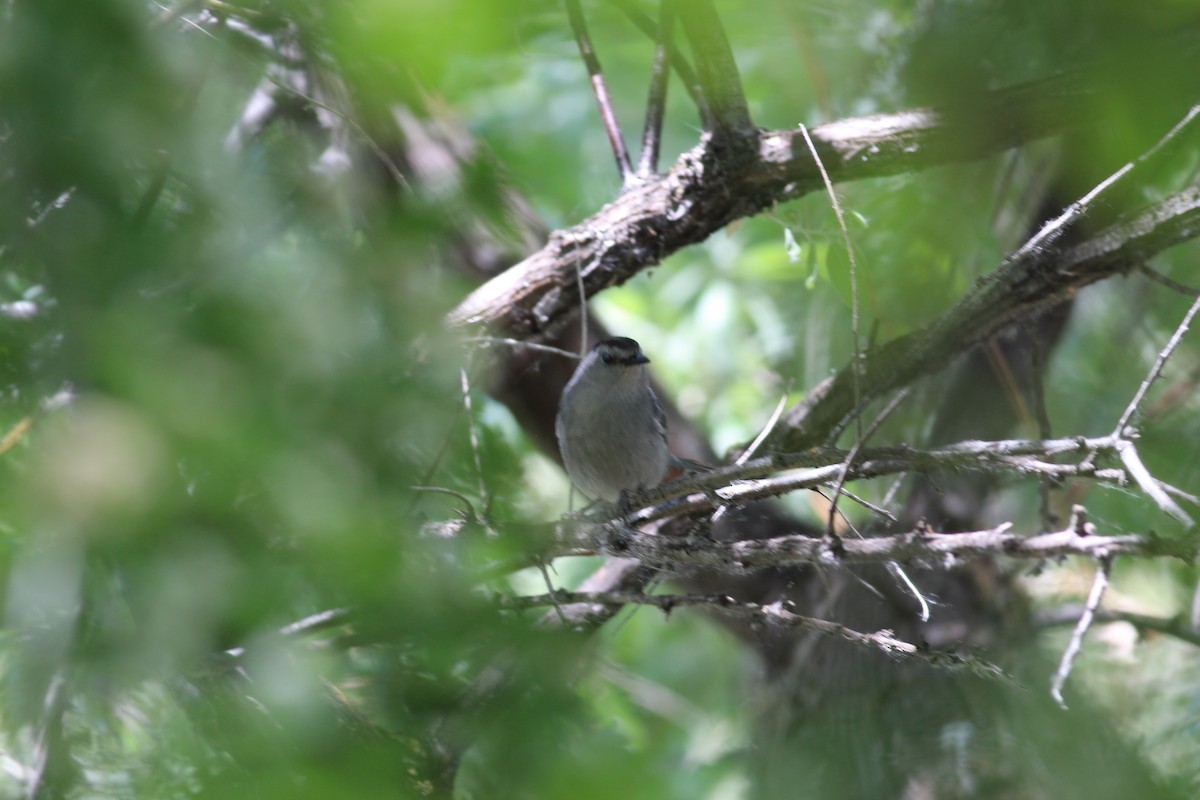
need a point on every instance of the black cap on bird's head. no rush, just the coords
(620, 351)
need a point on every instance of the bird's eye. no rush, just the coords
(608, 358)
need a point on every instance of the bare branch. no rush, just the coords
(683, 554)
(859, 442)
(856, 357)
(519, 344)
(607, 528)
(1056, 227)
(1081, 628)
(1157, 369)
(758, 477)
(1038, 390)
(1173, 285)
(678, 62)
(686, 554)
(652, 133)
(778, 613)
(1143, 478)
(1177, 627)
(749, 452)
(615, 139)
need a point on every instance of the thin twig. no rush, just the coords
(749, 452)
(1038, 367)
(1173, 285)
(1149, 484)
(600, 89)
(519, 344)
(315, 622)
(878, 511)
(678, 61)
(889, 496)
(857, 358)
(451, 492)
(1081, 628)
(1059, 225)
(541, 565)
(168, 15)
(1177, 627)
(474, 437)
(858, 445)
(899, 574)
(780, 613)
(1156, 370)
(374, 146)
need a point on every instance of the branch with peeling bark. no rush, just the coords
(682, 554)
(773, 475)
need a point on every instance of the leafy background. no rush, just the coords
(259, 374)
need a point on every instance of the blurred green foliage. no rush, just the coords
(259, 376)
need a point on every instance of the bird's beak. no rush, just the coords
(640, 358)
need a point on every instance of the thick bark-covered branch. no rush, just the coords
(712, 185)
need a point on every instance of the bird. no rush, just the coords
(611, 428)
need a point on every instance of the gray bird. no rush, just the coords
(611, 429)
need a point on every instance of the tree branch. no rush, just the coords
(682, 554)
(603, 99)
(759, 477)
(606, 529)
(1099, 584)
(710, 186)
(655, 104)
(1015, 290)
(678, 62)
(1156, 370)
(720, 83)
(1177, 627)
